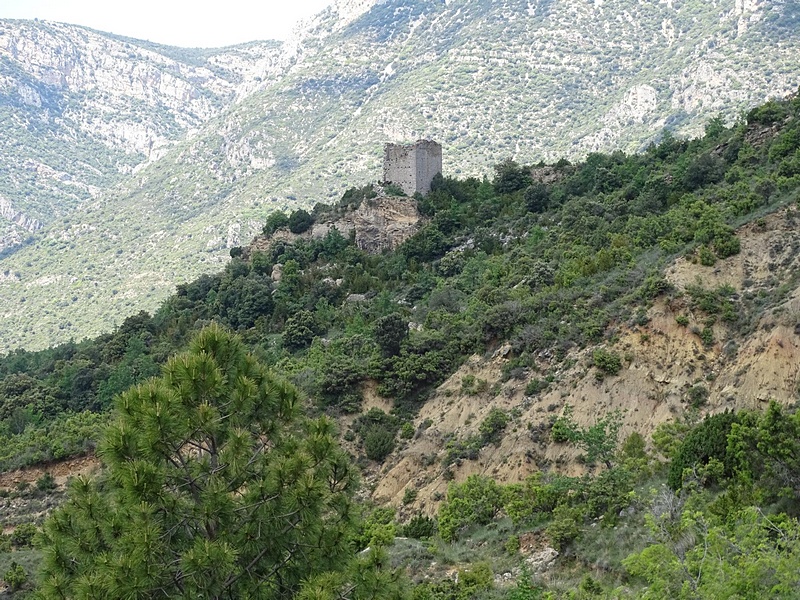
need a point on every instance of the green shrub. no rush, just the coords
(274, 222)
(46, 483)
(420, 527)
(299, 330)
(536, 386)
(697, 396)
(707, 336)
(537, 495)
(22, 536)
(409, 495)
(706, 256)
(607, 362)
(565, 526)
(492, 427)
(708, 440)
(468, 449)
(406, 431)
(512, 545)
(376, 528)
(378, 443)
(476, 501)
(300, 221)
(15, 577)
(563, 429)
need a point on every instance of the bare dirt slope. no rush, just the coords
(662, 361)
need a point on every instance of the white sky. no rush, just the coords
(197, 23)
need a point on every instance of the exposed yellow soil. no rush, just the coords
(61, 470)
(662, 360)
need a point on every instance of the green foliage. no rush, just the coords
(492, 427)
(755, 556)
(377, 431)
(471, 583)
(16, 577)
(765, 450)
(476, 501)
(467, 448)
(22, 536)
(668, 437)
(46, 483)
(536, 386)
(202, 464)
(708, 440)
(510, 177)
(484, 270)
(300, 221)
(65, 436)
(768, 113)
(368, 576)
(564, 428)
(607, 362)
(512, 545)
(537, 495)
(599, 441)
(377, 528)
(409, 495)
(565, 526)
(378, 443)
(299, 330)
(697, 395)
(537, 197)
(275, 221)
(419, 527)
(390, 331)
(407, 431)
(524, 589)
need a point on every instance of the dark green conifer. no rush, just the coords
(215, 487)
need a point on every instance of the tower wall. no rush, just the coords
(412, 166)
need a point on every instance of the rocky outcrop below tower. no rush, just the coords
(378, 225)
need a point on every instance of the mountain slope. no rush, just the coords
(488, 79)
(81, 109)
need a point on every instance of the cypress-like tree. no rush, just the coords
(215, 486)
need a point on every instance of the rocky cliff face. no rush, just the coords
(378, 225)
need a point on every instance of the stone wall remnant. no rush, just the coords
(412, 166)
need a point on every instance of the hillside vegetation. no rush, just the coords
(285, 127)
(540, 264)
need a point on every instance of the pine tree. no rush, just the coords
(215, 487)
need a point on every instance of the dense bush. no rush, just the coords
(492, 427)
(300, 221)
(476, 501)
(607, 362)
(707, 441)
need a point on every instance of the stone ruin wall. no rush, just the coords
(412, 166)
(397, 163)
(428, 164)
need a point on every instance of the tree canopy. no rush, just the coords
(215, 487)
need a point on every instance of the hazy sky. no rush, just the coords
(175, 22)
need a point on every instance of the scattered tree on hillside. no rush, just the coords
(599, 441)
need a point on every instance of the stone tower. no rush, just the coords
(412, 166)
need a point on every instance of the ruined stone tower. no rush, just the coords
(412, 166)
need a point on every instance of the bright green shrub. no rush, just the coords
(476, 501)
